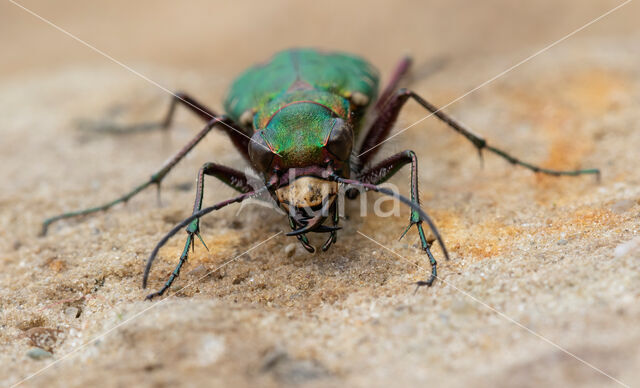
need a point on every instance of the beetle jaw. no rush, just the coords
(308, 200)
(307, 192)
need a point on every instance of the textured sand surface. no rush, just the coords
(559, 256)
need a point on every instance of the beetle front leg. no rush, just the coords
(304, 240)
(333, 235)
(233, 178)
(385, 170)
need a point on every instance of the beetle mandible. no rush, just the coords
(296, 119)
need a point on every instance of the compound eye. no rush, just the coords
(340, 140)
(260, 153)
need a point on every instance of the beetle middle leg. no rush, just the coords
(385, 170)
(382, 126)
(233, 178)
(155, 179)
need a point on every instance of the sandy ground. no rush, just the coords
(540, 266)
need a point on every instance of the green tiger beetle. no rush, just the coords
(296, 119)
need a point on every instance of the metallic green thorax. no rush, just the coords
(298, 133)
(295, 98)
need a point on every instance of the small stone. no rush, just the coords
(72, 312)
(563, 242)
(38, 354)
(43, 337)
(198, 271)
(627, 247)
(290, 249)
(622, 206)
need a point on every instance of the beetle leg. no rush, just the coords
(229, 176)
(333, 236)
(382, 126)
(302, 237)
(385, 170)
(401, 70)
(155, 179)
(238, 135)
(189, 102)
(194, 106)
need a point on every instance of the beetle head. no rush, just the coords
(299, 148)
(300, 135)
(308, 200)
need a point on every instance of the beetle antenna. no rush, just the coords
(423, 215)
(188, 220)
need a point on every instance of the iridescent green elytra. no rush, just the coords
(330, 79)
(296, 119)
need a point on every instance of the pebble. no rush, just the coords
(38, 354)
(43, 337)
(72, 312)
(622, 206)
(198, 271)
(627, 247)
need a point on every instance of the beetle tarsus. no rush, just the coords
(423, 283)
(331, 240)
(153, 295)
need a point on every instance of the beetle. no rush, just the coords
(296, 119)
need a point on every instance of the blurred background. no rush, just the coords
(558, 255)
(225, 37)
